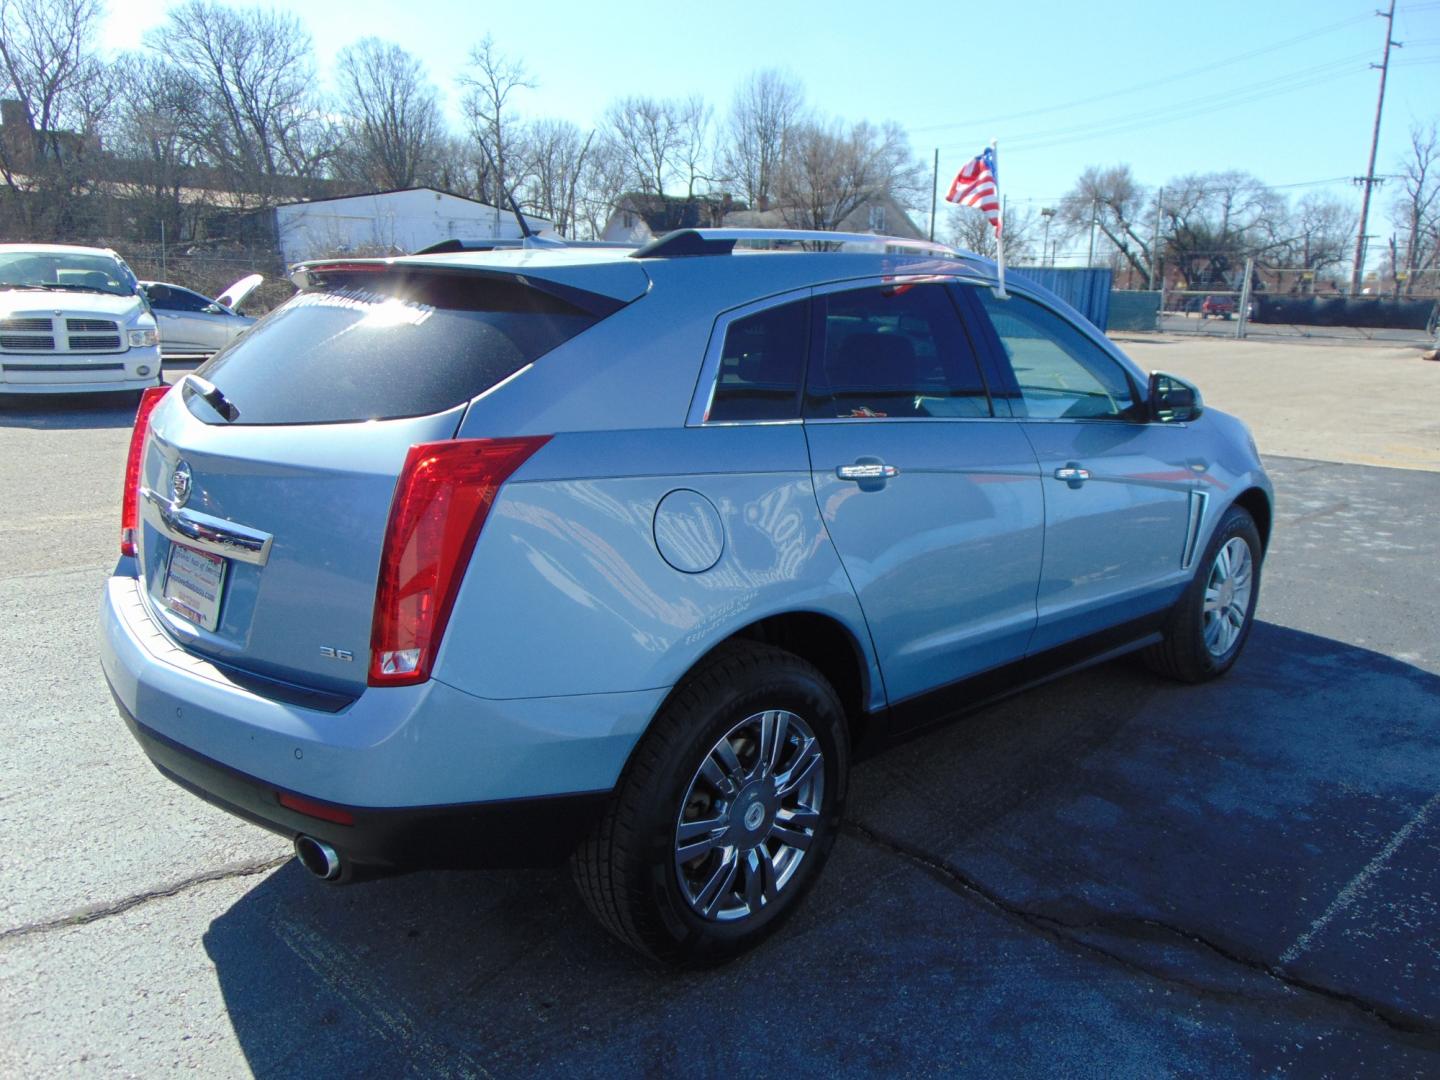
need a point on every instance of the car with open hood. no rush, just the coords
(193, 324)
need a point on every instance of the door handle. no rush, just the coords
(867, 471)
(1073, 474)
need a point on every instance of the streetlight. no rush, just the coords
(1046, 212)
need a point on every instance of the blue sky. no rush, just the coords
(1281, 88)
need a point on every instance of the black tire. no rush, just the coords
(1184, 654)
(626, 870)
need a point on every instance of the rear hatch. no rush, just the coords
(293, 438)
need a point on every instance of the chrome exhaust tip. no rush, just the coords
(318, 857)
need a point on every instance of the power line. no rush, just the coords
(1217, 99)
(1265, 88)
(1201, 70)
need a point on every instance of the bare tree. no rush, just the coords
(495, 128)
(647, 134)
(1416, 209)
(693, 155)
(49, 65)
(558, 153)
(1114, 202)
(830, 172)
(1211, 221)
(603, 177)
(766, 108)
(391, 116)
(970, 230)
(153, 160)
(455, 166)
(1322, 234)
(257, 118)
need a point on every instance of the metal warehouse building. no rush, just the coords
(390, 222)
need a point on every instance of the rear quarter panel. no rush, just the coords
(567, 592)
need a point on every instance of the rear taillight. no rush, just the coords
(441, 501)
(130, 500)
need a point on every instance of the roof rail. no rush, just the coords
(449, 247)
(684, 242)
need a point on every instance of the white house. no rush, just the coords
(389, 223)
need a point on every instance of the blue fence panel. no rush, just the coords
(1133, 310)
(1083, 288)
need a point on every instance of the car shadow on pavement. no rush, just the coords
(1111, 873)
(68, 412)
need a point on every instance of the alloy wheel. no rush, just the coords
(749, 816)
(1227, 596)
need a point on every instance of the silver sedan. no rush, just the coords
(193, 324)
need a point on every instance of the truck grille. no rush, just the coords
(27, 342)
(38, 335)
(95, 343)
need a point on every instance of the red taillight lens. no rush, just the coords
(130, 500)
(440, 505)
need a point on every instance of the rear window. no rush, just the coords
(761, 366)
(372, 346)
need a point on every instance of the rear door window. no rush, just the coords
(373, 346)
(896, 351)
(761, 365)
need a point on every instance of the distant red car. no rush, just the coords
(1223, 306)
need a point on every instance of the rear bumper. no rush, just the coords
(431, 775)
(515, 832)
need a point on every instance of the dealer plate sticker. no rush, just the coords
(194, 585)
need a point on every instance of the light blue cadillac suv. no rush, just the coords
(499, 557)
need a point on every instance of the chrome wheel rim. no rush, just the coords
(749, 816)
(1227, 596)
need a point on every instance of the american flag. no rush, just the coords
(976, 184)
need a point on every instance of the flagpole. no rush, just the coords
(1000, 225)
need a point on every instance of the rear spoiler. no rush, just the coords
(605, 289)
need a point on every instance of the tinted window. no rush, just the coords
(166, 298)
(898, 351)
(373, 346)
(761, 365)
(1061, 372)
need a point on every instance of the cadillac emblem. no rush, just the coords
(180, 484)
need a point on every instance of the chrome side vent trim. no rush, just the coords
(1199, 500)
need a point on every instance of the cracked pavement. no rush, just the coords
(1107, 876)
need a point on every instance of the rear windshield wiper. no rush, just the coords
(208, 392)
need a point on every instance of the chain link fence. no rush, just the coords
(1255, 299)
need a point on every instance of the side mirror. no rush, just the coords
(1173, 400)
(213, 309)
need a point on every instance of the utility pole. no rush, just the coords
(1094, 217)
(934, 187)
(1046, 212)
(1369, 180)
(1155, 239)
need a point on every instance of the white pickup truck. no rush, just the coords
(73, 320)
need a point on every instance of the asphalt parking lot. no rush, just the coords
(1108, 876)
